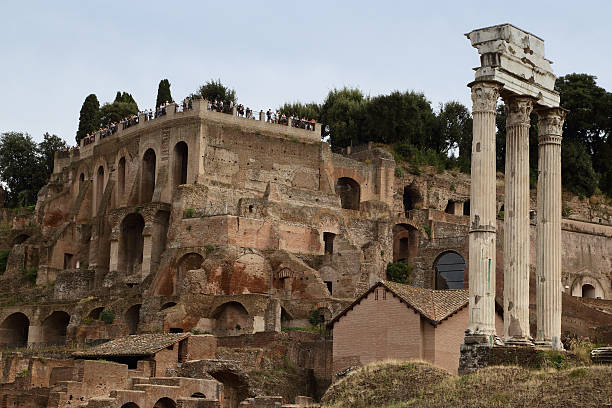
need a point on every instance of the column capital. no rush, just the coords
(485, 95)
(518, 110)
(550, 125)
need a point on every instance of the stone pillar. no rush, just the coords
(147, 249)
(516, 221)
(483, 213)
(548, 244)
(114, 255)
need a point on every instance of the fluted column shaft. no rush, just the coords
(516, 221)
(483, 211)
(548, 244)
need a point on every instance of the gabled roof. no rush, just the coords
(434, 305)
(138, 345)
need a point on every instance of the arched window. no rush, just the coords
(132, 318)
(130, 405)
(14, 330)
(412, 198)
(588, 291)
(147, 183)
(167, 305)
(95, 313)
(54, 328)
(165, 403)
(450, 271)
(99, 187)
(131, 244)
(405, 242)
(181, 155)
(349, 192)
(121, 178)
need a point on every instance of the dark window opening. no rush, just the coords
(450, 271)
(67, 261)
(349, 192)
(411, 198)
(466, 208)
(450, 208)
(329, 286)
(328, 239)
(181, 155)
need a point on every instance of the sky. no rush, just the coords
(54, 54)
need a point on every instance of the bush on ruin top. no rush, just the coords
(399, 271)
(107, 316)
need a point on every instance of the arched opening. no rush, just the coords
(231, 319)
(81, 180)
(450, 207)
(450, 271)
(147, 183)
(188, 262)
(466, 208)
(198, 395)
(54, 328)
(165, 403)
(235, 385)
(20, 239)
(131, 244)
(349, 192)
(130, 405)
(286, 318)
(95, 313)
(99, 187)
(588, 291)
(132, 318)
(405, 242)
(412, 198)
(167, 305)
(121, 179)
(181, 154)
(14, 330)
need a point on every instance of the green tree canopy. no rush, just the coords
(123, 106)
(399, 271)
(47, 149)
(342, 115)
(21, 168)
(577, 169)
(454, 126)
(212, 90)
(88, 118)
(163, 93)
(310, 110)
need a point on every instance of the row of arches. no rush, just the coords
(15, 328)
(148, 175)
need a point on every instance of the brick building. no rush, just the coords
(395, 321)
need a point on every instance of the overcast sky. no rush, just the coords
(54, 53)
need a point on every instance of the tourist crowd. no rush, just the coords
(187, 104)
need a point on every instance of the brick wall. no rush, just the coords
(379, 327)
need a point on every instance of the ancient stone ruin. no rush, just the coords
(224, 245)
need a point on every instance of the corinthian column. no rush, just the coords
(482, 214)
(548, 244)
(516, 221)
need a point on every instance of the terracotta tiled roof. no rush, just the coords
(434, 305)
(136, 345)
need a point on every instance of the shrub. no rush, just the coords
(427, 230)
(399, 271)
(500, 215)
(399, 172)
(316, 317)
(88, 320)
(30, 274)
(188, 213)
(107, 316)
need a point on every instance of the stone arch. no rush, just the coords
(165, 403)
(99, 190)
(95, 313)
(148, 174)
(132, 318)
(412, 198)
(187, 262)
(286, 317)
(235, 383)
(449, 267)
(405, 242)
(198, 395)
(181, 160)
(350, 193)
(232, 319)
(130, 405)
(54, 328)
(588, 291)
(579, 284)
(14, 330)
(131, 242)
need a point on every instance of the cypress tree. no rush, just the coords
(88, 118)
(163, 93)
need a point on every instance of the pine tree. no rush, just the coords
(88, 118)
(163, 93)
